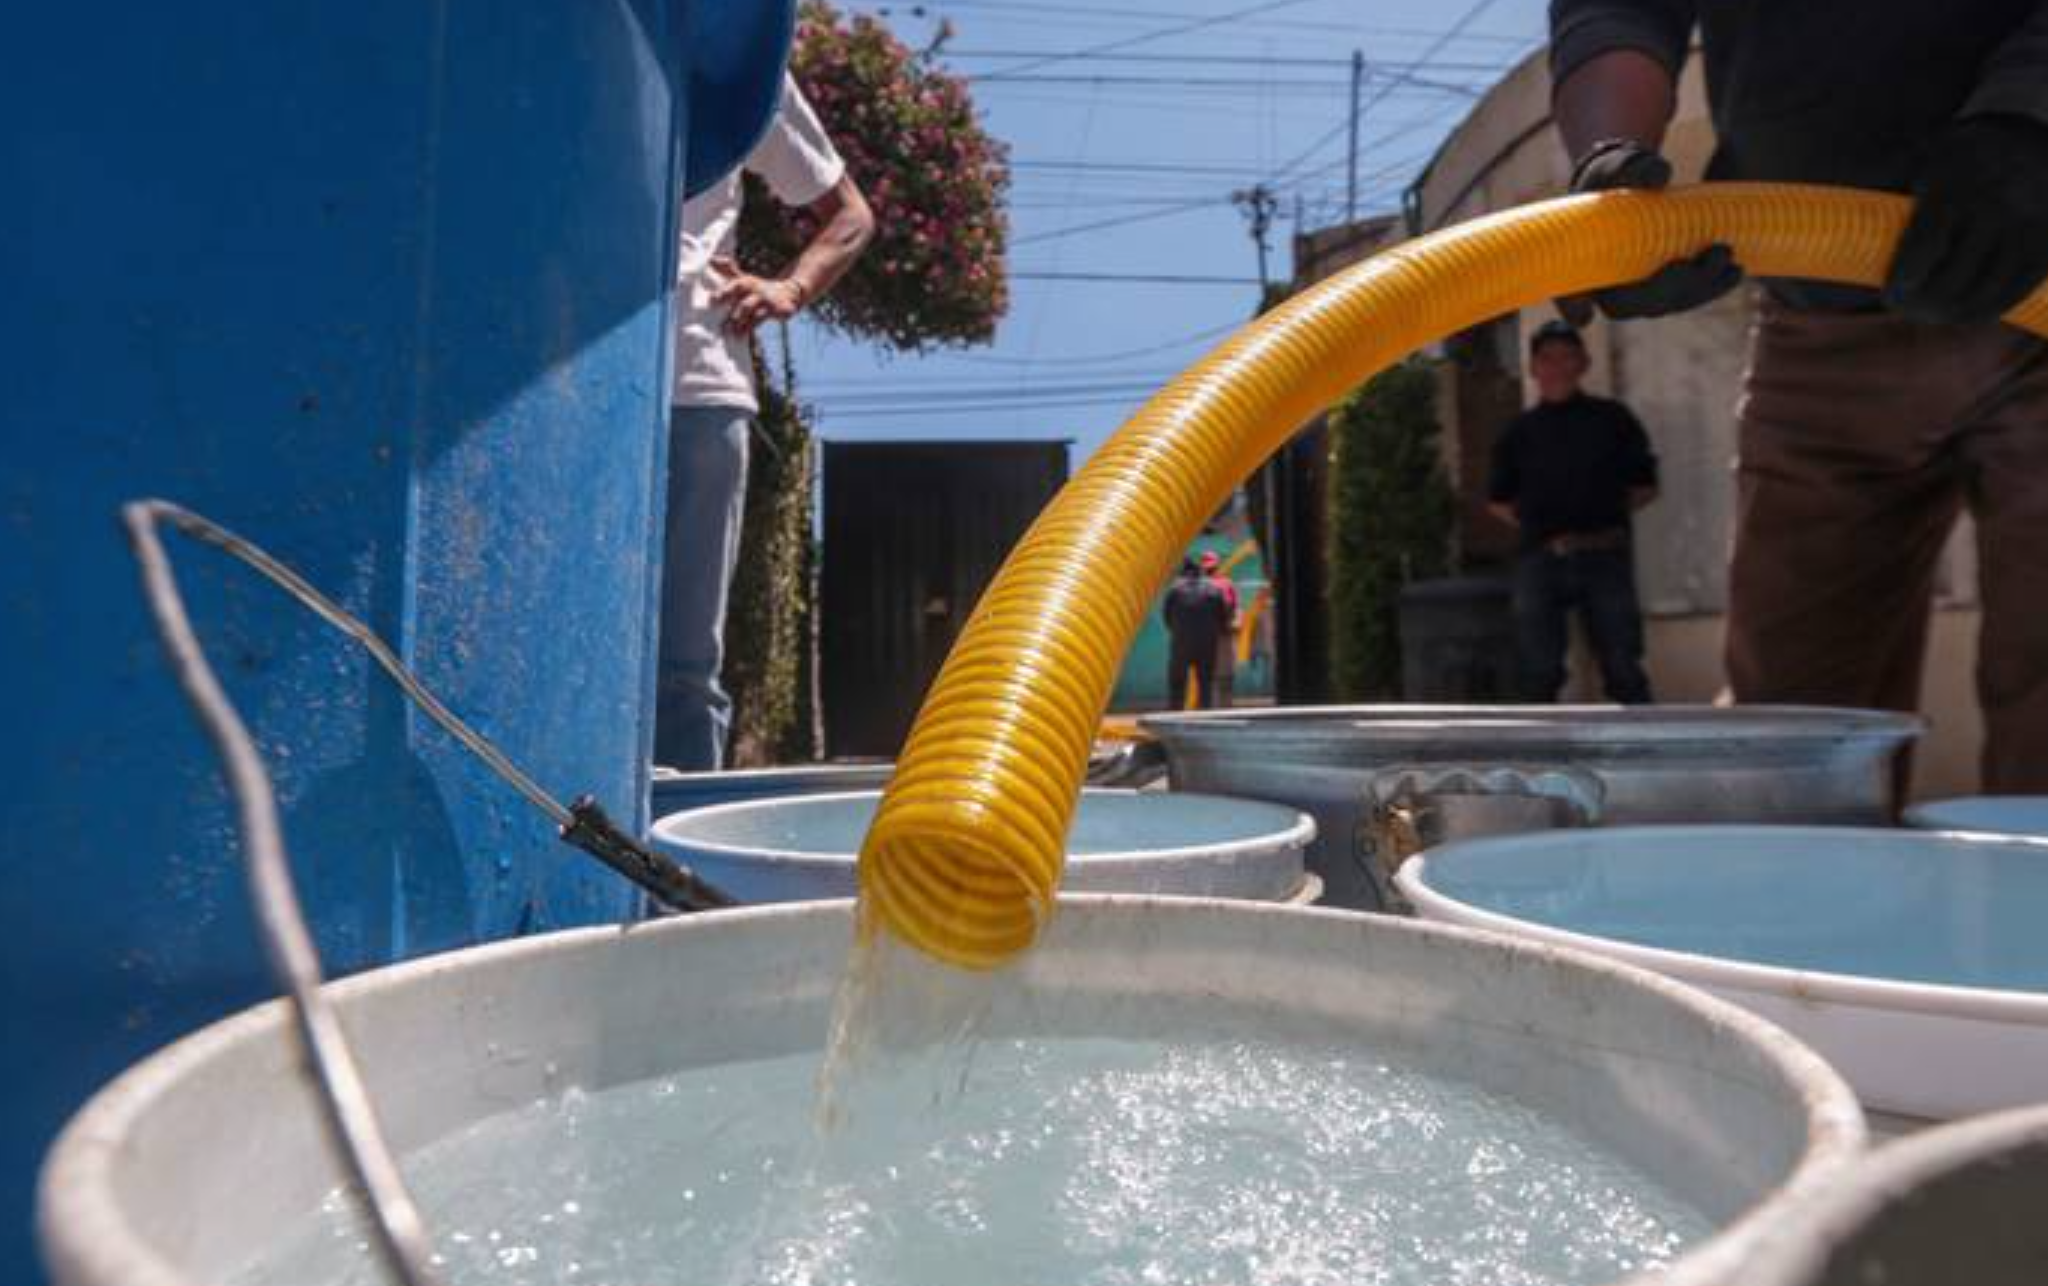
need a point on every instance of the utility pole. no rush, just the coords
(1259, 205)
(1351, 163)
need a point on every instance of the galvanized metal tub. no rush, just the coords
(1455, 771)
(678, 792)
(188, 1165)
(1913, 961)
(1989, 814)
(1122, 841)
(1956, 1206)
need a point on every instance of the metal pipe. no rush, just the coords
(401, 1235)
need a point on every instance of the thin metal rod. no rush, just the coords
(212, 533)
(401, 1235)
(583, 823)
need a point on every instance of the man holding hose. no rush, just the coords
(1869, 419)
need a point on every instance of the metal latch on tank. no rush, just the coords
(1409, 809)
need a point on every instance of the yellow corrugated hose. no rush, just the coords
(965, 853)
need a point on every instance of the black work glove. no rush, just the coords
(1677, 286)
(1977, 242)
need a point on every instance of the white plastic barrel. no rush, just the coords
(1913, 961)
(1986, 814)
(803, 848)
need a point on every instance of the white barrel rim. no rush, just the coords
(85, 1236)
(1297, 834)
(1813, 985)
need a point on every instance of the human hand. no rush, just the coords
(1977, 241)
(1678, 285)
(750, 300)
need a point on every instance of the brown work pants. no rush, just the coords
(1863, 436)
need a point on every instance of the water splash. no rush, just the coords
(901, 1018)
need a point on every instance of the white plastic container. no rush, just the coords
(1986, 814)
(677, 792)
(180, 1171)
(805, 848)
(1915, 962)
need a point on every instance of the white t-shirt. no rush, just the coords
(799, 165)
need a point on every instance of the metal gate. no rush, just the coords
(914, 532)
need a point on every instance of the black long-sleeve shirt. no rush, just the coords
(1841, 92)
(1196, 613)
(1568, 467)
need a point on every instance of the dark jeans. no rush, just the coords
(707, 498)
(1198, 655)
(1599, 584)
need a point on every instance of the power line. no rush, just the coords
(1089, 359)
(1245, 169)
(1107, 171)
(1138, 100)
(1194, 89)
(1388, 170)
(1143, 38)
(827, 415)
(1136, 200)
(1142, 278)
(967, 383)
(1464, 20)
(1129, 15)
(1402, 130)
(1265, 60)
(1054, 234)
(898, 392)
(1302, 87)
(1322, 141)
(1224, 86)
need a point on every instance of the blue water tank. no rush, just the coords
(383, 286)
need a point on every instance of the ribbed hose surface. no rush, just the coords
(965, 853)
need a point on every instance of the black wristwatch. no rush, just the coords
(1606, 147)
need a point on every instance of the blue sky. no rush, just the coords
(1169, 107)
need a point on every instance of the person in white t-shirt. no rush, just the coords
(713, 407)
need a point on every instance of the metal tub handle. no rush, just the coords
(1410, 808)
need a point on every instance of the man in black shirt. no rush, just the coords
(1569, 471)
(1869, 419)
(1197, 615)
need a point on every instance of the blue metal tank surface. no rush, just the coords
(384, 287)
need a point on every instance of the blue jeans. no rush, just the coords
(1600, 585)
(707, 494)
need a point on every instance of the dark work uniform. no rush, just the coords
(1864, 433)
(1197, 615)
(1841, 92)
(1567, 468)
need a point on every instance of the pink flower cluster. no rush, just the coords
(934, 275)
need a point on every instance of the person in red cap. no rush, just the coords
(1226, 645)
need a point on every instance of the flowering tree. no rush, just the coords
(933, 277)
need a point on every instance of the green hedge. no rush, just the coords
(768, 655)
(1391, 515)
